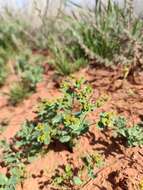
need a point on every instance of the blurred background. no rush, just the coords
(27, 5)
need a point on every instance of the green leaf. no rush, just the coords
(65, 139)
(3, 179)
(57, 119)
(58, 180)
(91, 173)
(77, 180)
(68, 168)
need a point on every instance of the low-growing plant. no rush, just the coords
(16, 175)
(22, 150)
(106, 120)
(65, 59)
(133, 134)
(29, 72)
(27, 143)
(66, 178)
(29, 69)
(70, 177)
(108, 33)
(12, 30)
(102, 100)
(12, 159)
(91, 161)
(18, 93)
(65, 118)
(32, 76)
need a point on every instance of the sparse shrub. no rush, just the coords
(18, 93)
(32, 76)
(109, 34)
(12, 35)
(29, 69)
(30, 72)
(133, 134)
(66, 59)
(22, 61)
(65, 118)
(12, 40)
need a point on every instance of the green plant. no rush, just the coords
(3, 71)
(65, 59)
(17, 93)
(66, 178)
(133, 134)
(11, 159)
(106, 120)
(30, 72)
(32, 76)
(109, 34)
(70, 177)
(29, 69)
(16, 175)
(12, 31)
(27, 144)
(22, 61)
(65, 118)
(22, 149)
(91, 161)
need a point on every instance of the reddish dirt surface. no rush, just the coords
(123, 168)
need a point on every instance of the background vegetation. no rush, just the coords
(66, 39)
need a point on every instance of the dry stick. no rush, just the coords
(39, 11)
(46, 8)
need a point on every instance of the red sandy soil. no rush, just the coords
(123, 168)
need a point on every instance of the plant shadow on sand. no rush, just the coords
(107, 145)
